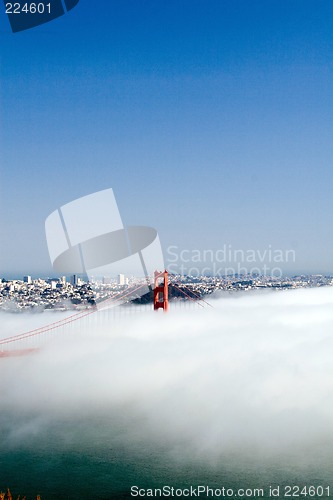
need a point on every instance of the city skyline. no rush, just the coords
(60, 295)
(211, 121)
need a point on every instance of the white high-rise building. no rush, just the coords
(27, 279)
(121, 279)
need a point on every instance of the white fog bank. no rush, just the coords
(254, 372)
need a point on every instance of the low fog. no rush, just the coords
(252, 374)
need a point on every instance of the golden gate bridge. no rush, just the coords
(30, 341)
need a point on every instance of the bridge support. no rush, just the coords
(161, 296)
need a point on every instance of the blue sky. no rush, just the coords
(211, 120)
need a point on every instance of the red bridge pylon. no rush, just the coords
(161, 295)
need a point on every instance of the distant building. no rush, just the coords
(27, 279)
(121, 279)
(74, 280)
(63, 280)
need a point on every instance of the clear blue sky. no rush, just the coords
(212, 120)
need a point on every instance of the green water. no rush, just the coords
(101, 459)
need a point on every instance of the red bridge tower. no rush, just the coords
(161, 299)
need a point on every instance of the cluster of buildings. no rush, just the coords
(59, 294)
(62, 294)
(204, 285)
